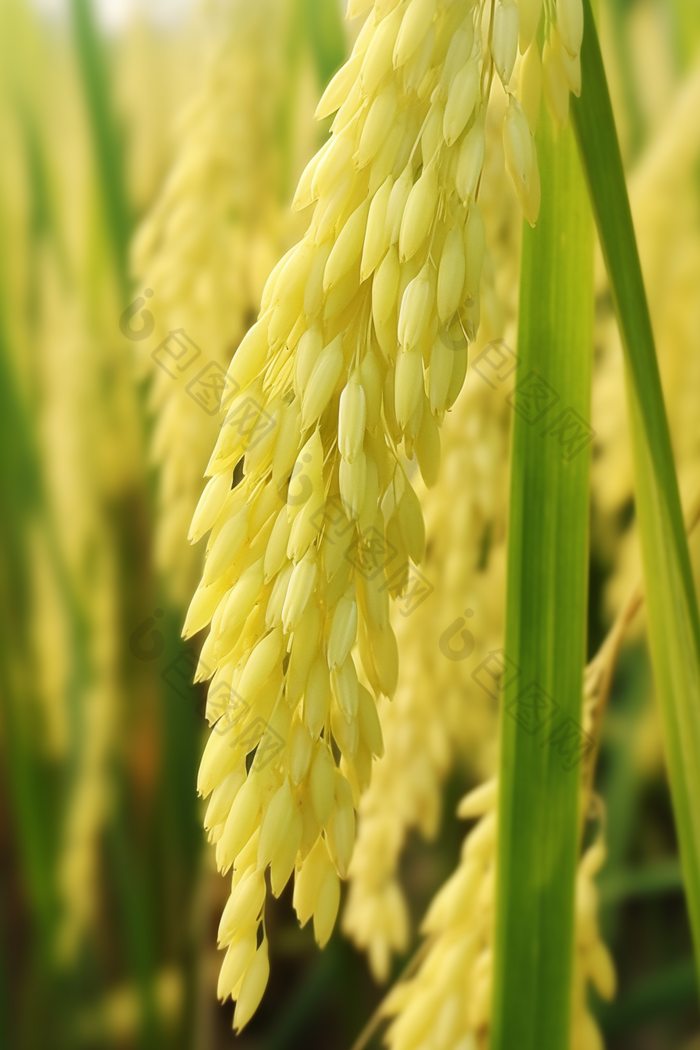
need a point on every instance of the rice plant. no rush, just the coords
(349, 373)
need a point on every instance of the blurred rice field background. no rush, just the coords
(149, 156)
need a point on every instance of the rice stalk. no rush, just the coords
(204, 252)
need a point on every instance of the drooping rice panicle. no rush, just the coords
(447, 1003)
(359, 350)
(82, 692)
(204, 252)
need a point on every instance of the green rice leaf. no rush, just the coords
(106, 138)
(674, 625)
(541, 739)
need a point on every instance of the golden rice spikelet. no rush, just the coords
(337, 396)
